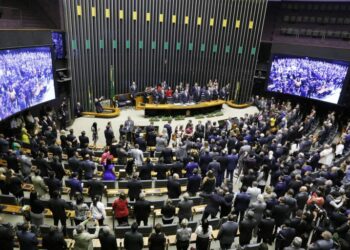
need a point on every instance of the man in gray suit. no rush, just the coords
(161, 143)
(133, 240)
(129, 128)
(227, 232)
(83, 239)
(185, 208)
(39, 184)
(137, 155)
(296, 244)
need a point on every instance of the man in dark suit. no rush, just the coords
(161, 170)
(204, 161)
(169, 130)
(43, 165)
(151, 138)
(7, 235)
(27, 240)
(53, 183)
(74, 163)
(129, 128)
(280, 212)
(227, 232)
(145, 170)
(133, 240)
(54, 240)
(88, 167)
(109, 135)
(167, 154)
(107, 239)
(222, 159)
(265, 228)
(75, 185)
(95, 187)
(241, 202)
(232, 160)
(142, 210)
(72, 138)
(285, 237)
(194, 183)
(141, 142)
(176, 168)
(246, 227)
(83, 140)
(58, 208)
(135, 188)
(199, 132)
(174, 187)
(214, 203)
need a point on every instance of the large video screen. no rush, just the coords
(319, 79)
(57, 39)
(26, 79)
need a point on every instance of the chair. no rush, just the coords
(319, 20)
(145, 230)
(196, 200)
(347, 21)
(283, 31)
(175, 202)
(146, 154)
(214, 223)
(121, 230)
(109, 184)
(345, 35)
(122, 184)
(293, 19)
(312, 19)
(326, 20)
(169, 229)
(123, 101)
(160, 183)
(146, 183)
(183, 181)
(192, 225)
(44, 230)
(8, 199)
(337, 34)
(302, 32)
(316, 33)
(329, 33)
(157, 204)
(69, 230)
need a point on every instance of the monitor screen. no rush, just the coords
(26, 79)
(319, 79)
(57, 39)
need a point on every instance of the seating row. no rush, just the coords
(317, 20)
(337, 34)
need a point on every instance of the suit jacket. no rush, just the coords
(265, 228)
(88, 167)
(58, 208)
(53, 185)
(54, 241)
(39, 185)
(161, 143)
(129, 125)
(169, 129)
(142, 209)
(6, 236)
(167, 154)
(161, 170)
(74, 164)
(83, 241)
(227, 232)
(145, 171)
(194, 183)
(176, 168)
(109, 135)
(142, 143)
(204, 161)
(246, 227)
(133, 241)
(232, 162)
(84, 140)
(174, 189)
(96, 187)
(280, 213)
(75, 186)
(108, 242)
(185, 209)
(27, 240)
(137, 155)
(242, 201)
(135, 188)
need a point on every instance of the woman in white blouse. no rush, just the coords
(97, 209)
(203, 233)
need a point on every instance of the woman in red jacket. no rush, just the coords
(120, 208)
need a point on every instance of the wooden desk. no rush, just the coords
(17, 210)
(190, 109)
(114, 112)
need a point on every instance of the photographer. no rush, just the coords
(83, 239)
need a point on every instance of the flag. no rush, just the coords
(90, 97)
(237, 91)
(111, 82)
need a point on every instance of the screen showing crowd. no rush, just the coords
(313, 78)
(26, 79)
